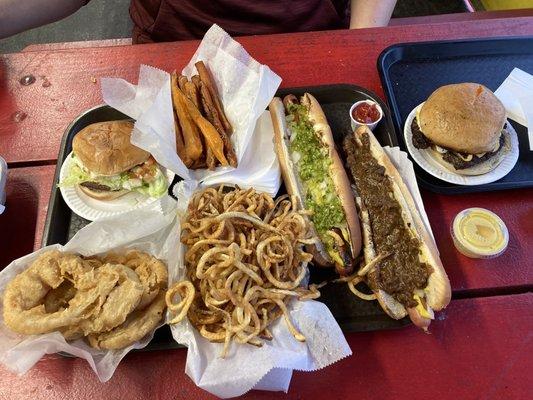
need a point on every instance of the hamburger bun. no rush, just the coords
(105, 149)
(464, 117)
(103, 194)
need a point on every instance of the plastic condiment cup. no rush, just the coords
(356, 124)
(479, 233)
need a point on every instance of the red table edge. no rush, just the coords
(77, 45)
(426, 19)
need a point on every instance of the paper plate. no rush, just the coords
(428, 163)
(93, 209)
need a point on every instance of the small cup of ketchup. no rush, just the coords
(365, 113)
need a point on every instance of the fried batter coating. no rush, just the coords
(137, 325)
(112, 300)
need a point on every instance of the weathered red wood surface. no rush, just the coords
(480, 349)
(21, 224)
(300, 59)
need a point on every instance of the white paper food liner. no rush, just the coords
(268, 367)
(401, 161)
(147, 230)
(526, 101)
(516, 94)
(518, 84)
(245, 87)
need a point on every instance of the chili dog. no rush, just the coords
(402, 264)
(313, 172)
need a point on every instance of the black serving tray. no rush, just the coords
(411, 72)
(353, 314)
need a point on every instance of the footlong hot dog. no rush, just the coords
(312, 171)
(402, 264)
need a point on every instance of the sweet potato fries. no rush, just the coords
(202, 128)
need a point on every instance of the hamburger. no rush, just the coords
(105, 165)
(462, 127)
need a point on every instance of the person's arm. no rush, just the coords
(20, 15)
(369, 13)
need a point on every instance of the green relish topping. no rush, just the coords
(313, 165)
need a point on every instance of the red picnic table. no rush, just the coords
(479, 348)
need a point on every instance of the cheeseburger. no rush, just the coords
(462, 127)
(105, 165)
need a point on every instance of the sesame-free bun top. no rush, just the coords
(465, 117)
(104, 148)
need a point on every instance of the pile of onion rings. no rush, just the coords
(245, 261)
(111, 301)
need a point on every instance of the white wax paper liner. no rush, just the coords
(154, 230)
(517, 84)
(269, 366)
(401, 161)
(526, 101)
(245, 87)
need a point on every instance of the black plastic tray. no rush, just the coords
(411, 72)
(352, 313)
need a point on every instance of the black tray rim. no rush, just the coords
(383, 64)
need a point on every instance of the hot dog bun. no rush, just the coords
(292, 183)
(295, 186)
(437, 292)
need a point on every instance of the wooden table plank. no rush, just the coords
(480, 349)
(21, 224)
(65, 78)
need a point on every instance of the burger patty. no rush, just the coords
(458, 163)
(420, 141)
(96, 186)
